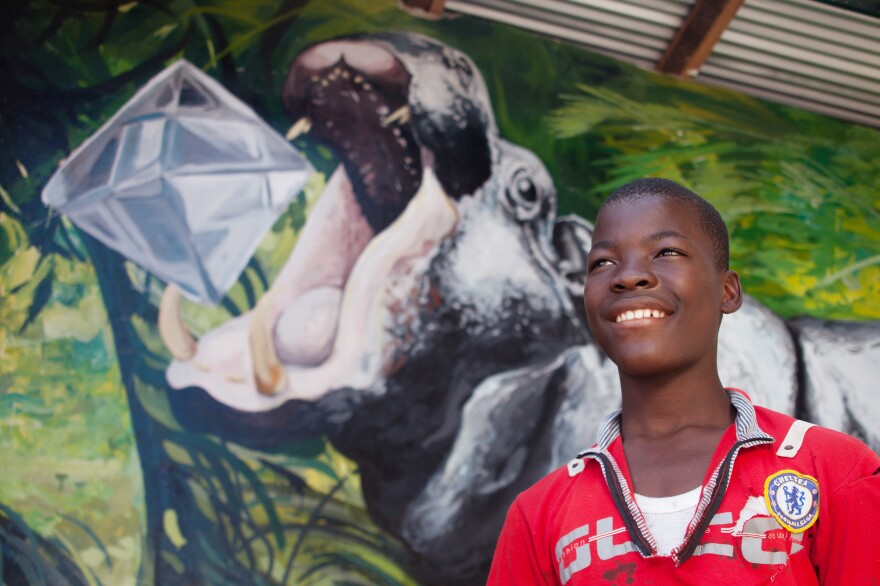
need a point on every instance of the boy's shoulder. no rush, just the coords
(555, 488)
(785, 427)
(828, 452)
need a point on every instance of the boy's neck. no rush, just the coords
(670, 428)
(661, 406)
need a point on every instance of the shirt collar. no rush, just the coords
(747, 427)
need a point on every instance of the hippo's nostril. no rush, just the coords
(367, 58)
(370, 67)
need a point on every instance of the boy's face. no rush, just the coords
(653, 295)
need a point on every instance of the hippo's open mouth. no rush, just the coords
(352, 95)
(382, 214)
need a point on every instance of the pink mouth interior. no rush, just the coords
(308, 298)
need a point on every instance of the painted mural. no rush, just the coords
(231, 356)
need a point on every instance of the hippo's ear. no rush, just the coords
(572, 238)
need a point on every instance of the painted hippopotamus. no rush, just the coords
(429, 320)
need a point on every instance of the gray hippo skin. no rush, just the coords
(451, 359)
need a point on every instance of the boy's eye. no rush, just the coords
(670, 252)
(596, 264)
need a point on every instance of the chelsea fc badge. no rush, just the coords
(793, 499)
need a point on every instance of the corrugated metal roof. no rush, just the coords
(797, 52)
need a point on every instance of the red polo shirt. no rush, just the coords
(782, 502)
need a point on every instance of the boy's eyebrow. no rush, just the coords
(650, 237)
(666, 234)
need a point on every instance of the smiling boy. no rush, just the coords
(689, 483)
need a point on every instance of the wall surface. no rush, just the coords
(227, 357)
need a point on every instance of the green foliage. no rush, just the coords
(798, 191)
(26, 557)
(277, 516)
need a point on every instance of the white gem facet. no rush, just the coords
(184, 181)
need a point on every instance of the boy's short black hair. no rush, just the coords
(710, 219)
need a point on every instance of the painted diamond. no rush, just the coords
(184, 180)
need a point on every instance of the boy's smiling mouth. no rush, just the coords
(631, 315)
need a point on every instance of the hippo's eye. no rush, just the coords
(523, 196)
(526, 190)
(464, 71)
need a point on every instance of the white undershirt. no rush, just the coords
(668, 517)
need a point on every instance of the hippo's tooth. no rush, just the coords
(400, 116)
(301, 126)
(323, 258)
(268, 373)
(172, 330)
(306, 330)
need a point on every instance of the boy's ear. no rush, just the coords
(732, 298)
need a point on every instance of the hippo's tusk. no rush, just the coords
(269, 374)
(400, 116)
(172, 330)
(301, 126)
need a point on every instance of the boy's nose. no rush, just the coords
(634, 276)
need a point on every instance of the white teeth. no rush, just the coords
(639, 314)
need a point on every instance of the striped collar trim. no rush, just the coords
(747, 427)
(748, 433)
